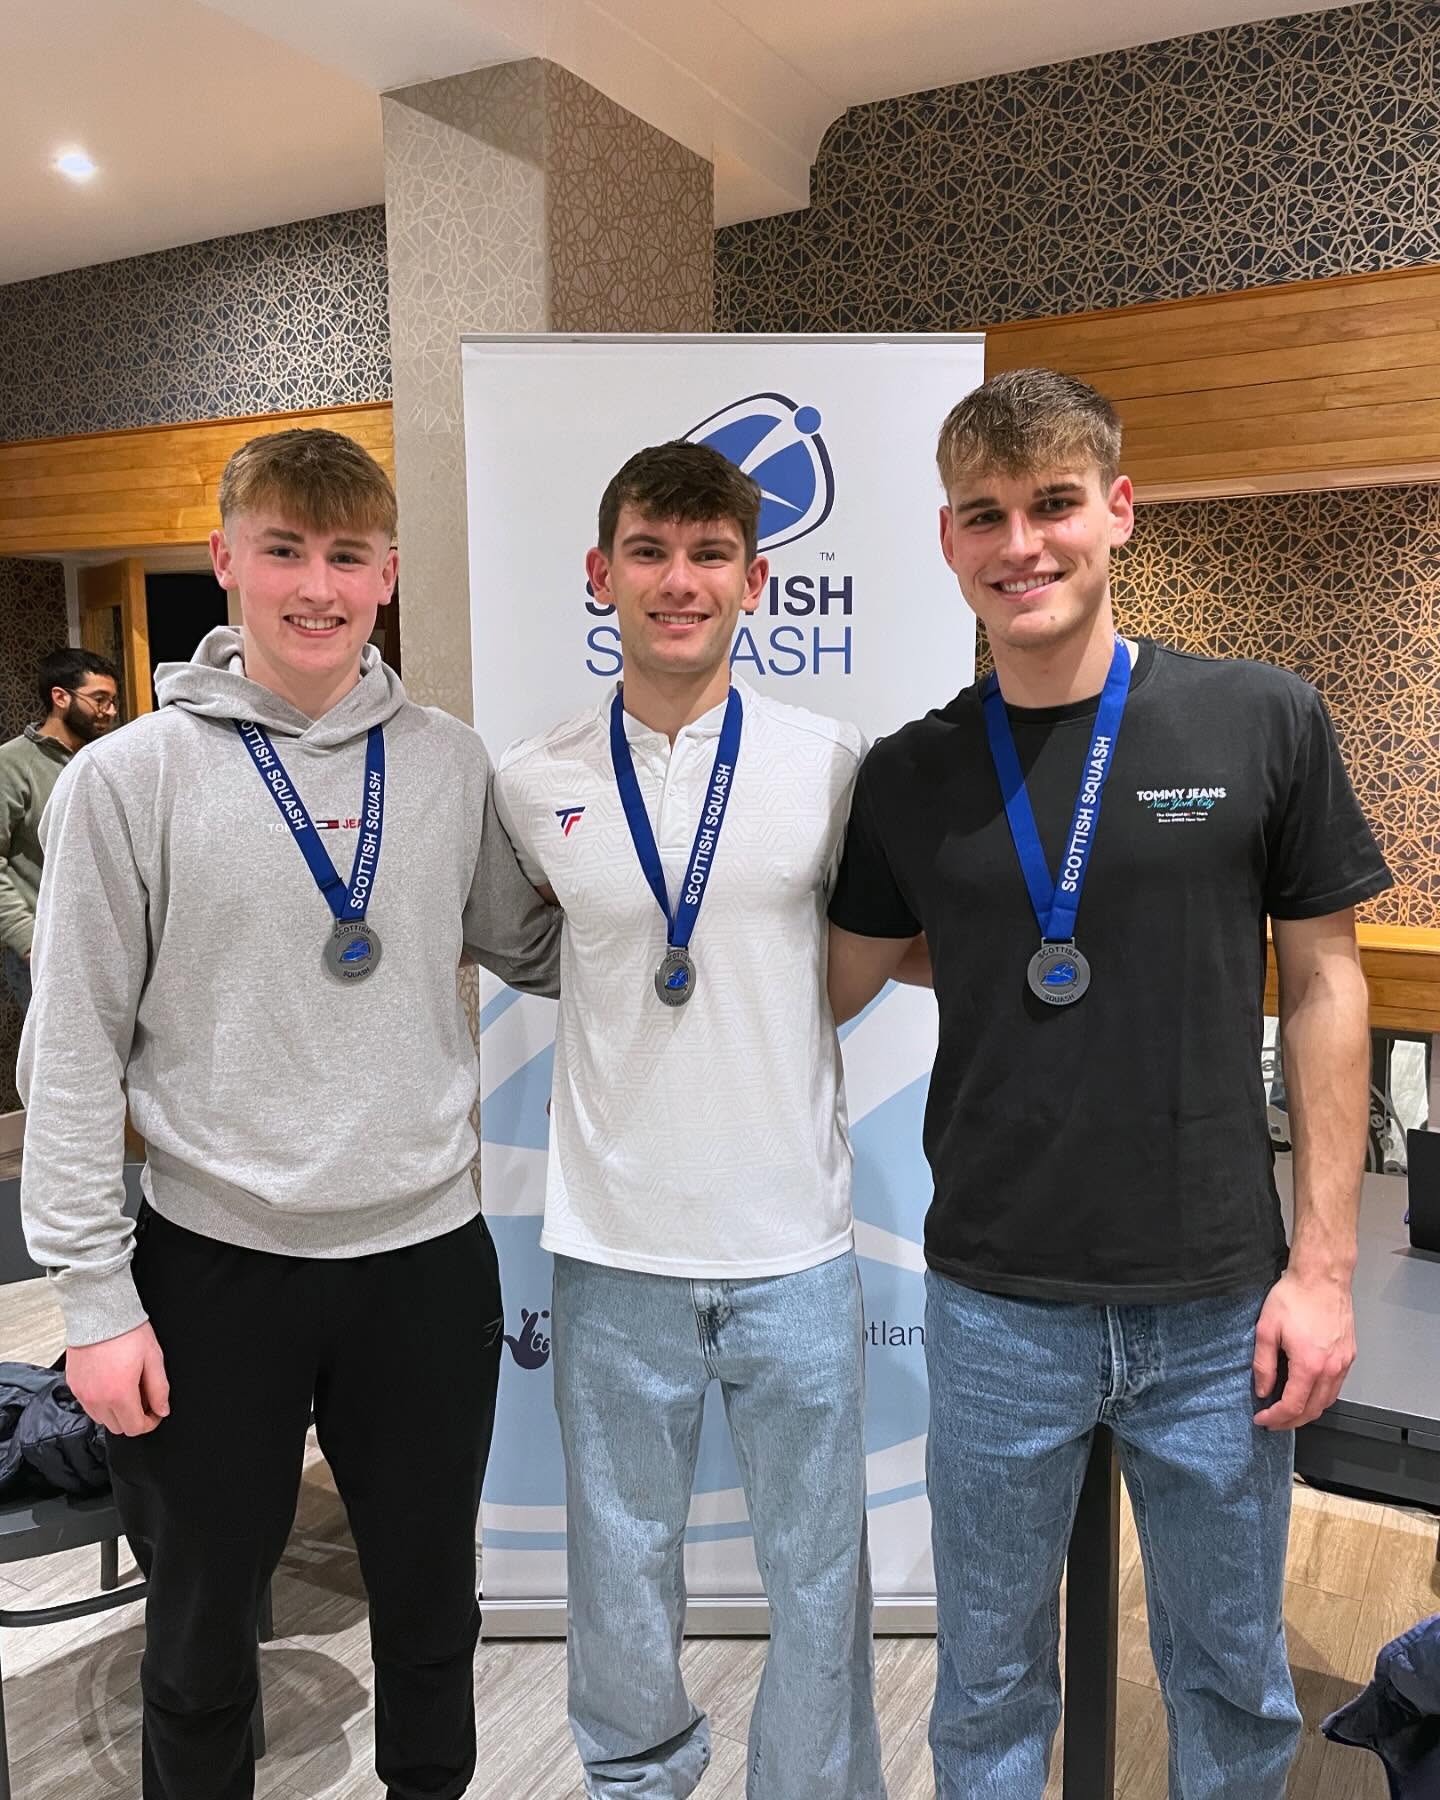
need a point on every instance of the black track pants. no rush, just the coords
(398, 1354)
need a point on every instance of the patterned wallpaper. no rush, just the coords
(630, 218)
(1343, 588)
(32, 622)
(267, 321)
(1258, 154)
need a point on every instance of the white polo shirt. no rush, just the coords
(707, 1140)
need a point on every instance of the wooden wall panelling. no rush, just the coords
(1318, 384)
(114, 614)
(1402, 967)
(139, 688)
(101, 586)
(97, 628)
(158, 485)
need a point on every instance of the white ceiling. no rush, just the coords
(200, 126)
(208, 117)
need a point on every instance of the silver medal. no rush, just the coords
(352, 950)
(675, 977)
(1058, 974)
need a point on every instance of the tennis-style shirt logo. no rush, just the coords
(569, 817)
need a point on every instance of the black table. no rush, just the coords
(1381, 1438)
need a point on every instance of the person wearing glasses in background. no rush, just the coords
(80, 694)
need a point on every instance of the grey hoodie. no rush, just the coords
(178, 952)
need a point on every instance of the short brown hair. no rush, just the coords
(1026, 420)
(321, 479)
(680, 481)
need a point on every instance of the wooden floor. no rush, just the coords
(1358, 1574)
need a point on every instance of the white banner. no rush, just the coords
(861, 619)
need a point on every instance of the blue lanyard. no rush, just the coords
(1057, 903)
(345, 902)
(680, 924)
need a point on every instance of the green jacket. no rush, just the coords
(29, 768)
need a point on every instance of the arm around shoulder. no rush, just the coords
(508, 926)
(889, 946)
(858, 967)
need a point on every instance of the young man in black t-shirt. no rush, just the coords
(1092, 842)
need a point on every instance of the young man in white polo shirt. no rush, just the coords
(698, 1202)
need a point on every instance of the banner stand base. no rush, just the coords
(709, 1616)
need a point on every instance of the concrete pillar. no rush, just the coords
(517, 198)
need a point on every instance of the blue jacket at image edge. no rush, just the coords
(1398, 1715)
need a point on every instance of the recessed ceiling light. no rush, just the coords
(76, 164)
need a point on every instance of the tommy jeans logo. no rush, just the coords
(569, 817)
(1181, 805)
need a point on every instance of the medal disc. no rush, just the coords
(1058, 974)
(352, 950)
(675, 977)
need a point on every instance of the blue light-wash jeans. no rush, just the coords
(633, 1356)
(1016, 1389)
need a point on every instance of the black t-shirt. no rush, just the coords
(1116, 1149)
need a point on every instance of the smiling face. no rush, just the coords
(678, 586)
(1032, 551)
(308, 601)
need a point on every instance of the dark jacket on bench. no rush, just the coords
(1398, 1715)
(47, 1443)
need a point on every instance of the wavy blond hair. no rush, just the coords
(320, 479)
(1027, 420)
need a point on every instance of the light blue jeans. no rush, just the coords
(633, 1356)
(1016, 1389)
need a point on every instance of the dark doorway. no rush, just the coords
(181, 608)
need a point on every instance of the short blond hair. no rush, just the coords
(1027, 420)
(321, 479)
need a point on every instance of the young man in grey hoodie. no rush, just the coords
(254, 906)
(78, 692)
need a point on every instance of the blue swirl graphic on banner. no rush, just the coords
(778, 443)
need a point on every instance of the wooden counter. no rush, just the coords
(1402, 966)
